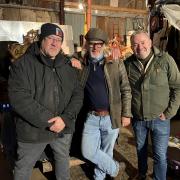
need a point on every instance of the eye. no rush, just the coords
(135, 45)
(58, 40)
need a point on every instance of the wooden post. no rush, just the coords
(61, 12)
(88, 14)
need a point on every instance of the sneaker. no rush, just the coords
(122, 167)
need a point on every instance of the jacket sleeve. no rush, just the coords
(71, 111)
(21, 97)
(125, 91)
(174, 87)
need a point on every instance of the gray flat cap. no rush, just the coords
(96, 34)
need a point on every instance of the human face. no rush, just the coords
(51, 46)
(95, 48)
(141, 45)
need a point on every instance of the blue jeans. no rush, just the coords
(29, 153)
(159, 131)
(98, 143)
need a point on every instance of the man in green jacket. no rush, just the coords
(45, 93)
(155, 84)
(107, 104)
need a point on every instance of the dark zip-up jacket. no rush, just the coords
(40, 90)
(117, 86)
(157, 90)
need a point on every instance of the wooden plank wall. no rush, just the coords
(119, 25)
(116, 25)
(135, 4)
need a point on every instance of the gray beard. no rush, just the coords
(99, 56)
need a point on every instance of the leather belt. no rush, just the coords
(99, 113)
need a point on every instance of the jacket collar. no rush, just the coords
(156, 51)
(57, 62)
(85, 59)
(60, 59)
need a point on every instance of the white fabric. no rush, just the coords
(172, 13)
(14, 31)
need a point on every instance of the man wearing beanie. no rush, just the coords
(107, 104)
(46, 96)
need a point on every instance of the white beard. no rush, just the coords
(98, 55)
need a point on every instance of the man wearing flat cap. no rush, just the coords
(46, 96)
(107, 104)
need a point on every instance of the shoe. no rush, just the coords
(122, 167)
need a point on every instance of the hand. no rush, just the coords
(125, 121)
(162, 116)
(76, 63)
(58, 124)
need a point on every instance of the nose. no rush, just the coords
(94, 47)
(140, 46)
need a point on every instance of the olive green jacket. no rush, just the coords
(157, 90)
(118, 88)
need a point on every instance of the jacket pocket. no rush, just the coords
(159, 77)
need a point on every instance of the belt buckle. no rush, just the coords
(99, 113)
(102, 113)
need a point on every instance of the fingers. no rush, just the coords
(58, 124)
(52, 120)
(55, 129)
(125, 124)
(162, 116)
(75, 63)
(126, 121)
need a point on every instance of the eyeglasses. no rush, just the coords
(57, 40)
(92, 45)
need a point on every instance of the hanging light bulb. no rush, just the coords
(81, 6)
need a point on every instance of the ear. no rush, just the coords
(150, 42)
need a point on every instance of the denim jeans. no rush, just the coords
(98, 143)
(29, 153)
(159, 131)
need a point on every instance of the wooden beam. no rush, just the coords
(56, 1)
(108, 8)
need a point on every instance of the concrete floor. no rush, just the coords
(125, 151)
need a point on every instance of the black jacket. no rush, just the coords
(40, 90)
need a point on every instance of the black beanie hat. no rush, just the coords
(96, 34)
(50, 29)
